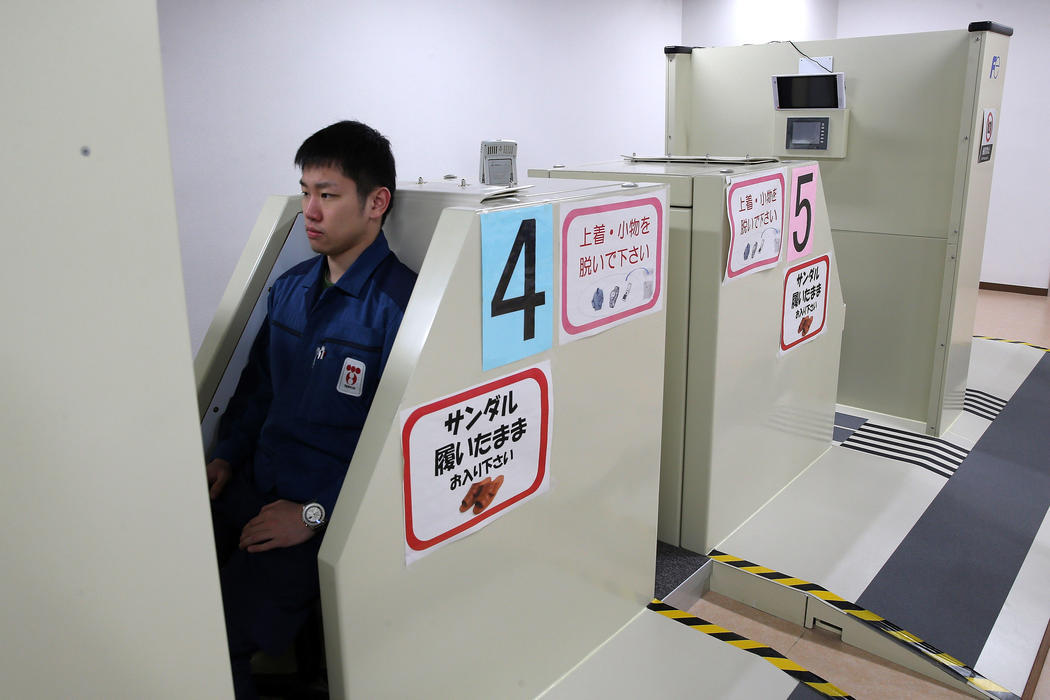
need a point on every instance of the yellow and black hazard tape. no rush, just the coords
(950, 663)
(1013, 342)
(758, 649)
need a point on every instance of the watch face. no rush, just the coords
(313, 514)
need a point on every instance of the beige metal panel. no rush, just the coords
(729, 108)
(656, 657)
(771, 414)
(680, 181)
(707, 264)
(675, 360)
(903, 93)
(676, 177)
(742, 398)
(679, 82)
(760, 593)
(892, 288)
(971, 221)
(109, 585)
(242, 294)
(910, 152)
(514, 606)
(277, 243)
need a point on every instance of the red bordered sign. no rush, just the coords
(805, 311)
(611, 264)
(755, 207)
(471, 456)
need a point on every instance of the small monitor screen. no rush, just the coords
(820, 91)
(805, 133)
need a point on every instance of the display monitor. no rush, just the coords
(807, 133)
(816, 91)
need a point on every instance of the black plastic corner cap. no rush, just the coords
(668, 50)
(991, 27)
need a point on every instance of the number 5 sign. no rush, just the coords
(800, 224)
(517, 288)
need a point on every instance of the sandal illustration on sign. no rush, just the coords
(480, 495)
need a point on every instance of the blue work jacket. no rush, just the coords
(302, 399)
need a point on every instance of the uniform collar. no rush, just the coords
(355, 277)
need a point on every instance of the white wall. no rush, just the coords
(1017, 247)
(734, 22)
(247, 81)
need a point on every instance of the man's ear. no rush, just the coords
(377, 203)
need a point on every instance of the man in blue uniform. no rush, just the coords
(291, 428)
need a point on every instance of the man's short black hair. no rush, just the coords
(358, 150)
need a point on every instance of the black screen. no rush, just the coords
(808, 91)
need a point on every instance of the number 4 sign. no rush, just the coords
(800, 225)
(517, 292)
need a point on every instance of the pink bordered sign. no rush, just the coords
(805, 302)
(472, 456)
(611, 263)
(755, 207)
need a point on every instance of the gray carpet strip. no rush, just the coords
(950, 576)
(948, 579)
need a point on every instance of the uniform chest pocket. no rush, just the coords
(343, 380)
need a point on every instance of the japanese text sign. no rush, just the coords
(611, 263)
(805, 302)
(755, 206)
(517, 283)
(472, 456)
(800, 224)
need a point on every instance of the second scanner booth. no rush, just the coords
(749, 401)
(904, 128)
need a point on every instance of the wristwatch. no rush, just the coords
(313, 515)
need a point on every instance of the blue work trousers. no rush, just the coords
(267, 596)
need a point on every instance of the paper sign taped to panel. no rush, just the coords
(472, 456)
(612, 267)
(755, 206)
(805, 311)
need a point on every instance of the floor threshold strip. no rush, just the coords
(969, 675)
(934, 454)
(983, 404)
(768, 653)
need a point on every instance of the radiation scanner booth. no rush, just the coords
(558, 561)
(497, 373)
(904, 128)
(749, 400)
(899, 132)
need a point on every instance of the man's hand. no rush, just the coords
(219, 473)
(278, 524)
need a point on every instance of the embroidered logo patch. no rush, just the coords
(352, 378)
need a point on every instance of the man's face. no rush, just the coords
(337, 219)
